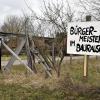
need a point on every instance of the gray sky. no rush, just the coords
(17, 7)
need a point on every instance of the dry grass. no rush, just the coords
(71, 80)
(19, 74)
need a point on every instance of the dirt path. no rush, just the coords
(4, 63)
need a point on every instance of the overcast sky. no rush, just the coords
(17, 7)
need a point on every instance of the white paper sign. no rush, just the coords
(83, 38)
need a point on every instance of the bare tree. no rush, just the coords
(56, 16)
(15, 24)
(54, 20)
(91, 7)
(12, 24)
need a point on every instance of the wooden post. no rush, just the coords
(0, 51)
(17, 51)
(71, 59)
(53, 53)
(96, 57)
(85, 65)
(88, 18)
(27, 67)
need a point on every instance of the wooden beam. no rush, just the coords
(11, 34)
(45, 66)
(88, 18)
(85, 65)
(17, 51)
(27, 67)
(0, 51)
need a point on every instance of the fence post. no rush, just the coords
(0, 51)
(86, 57)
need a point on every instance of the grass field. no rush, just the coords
(20, 85)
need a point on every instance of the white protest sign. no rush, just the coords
(83, 38)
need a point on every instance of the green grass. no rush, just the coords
(20, 85)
